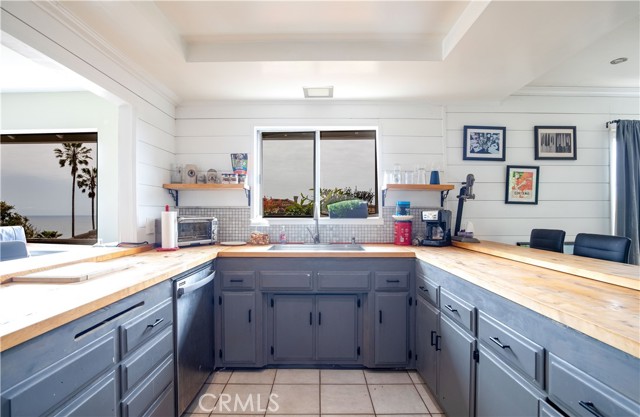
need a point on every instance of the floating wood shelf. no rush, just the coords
(442, 188)
(175, 188)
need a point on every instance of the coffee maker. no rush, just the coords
(438, 223)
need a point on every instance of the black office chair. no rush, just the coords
(547, 239)
(609, 248)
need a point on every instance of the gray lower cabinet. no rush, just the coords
(501, 392)
(427, 320)
(117, 361)
(456, 383)
(239, 342)
(391, 329)
(322, 328)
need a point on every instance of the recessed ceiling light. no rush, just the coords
(619, 60)
(318, 92)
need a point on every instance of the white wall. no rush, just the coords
(206, 133)
(573, 195)
(146, 115)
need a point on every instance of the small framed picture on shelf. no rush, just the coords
(555, 142)
(484, 143)
(229, 178)
(522, 185)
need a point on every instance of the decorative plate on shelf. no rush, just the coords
(233, 243)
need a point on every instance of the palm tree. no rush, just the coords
(73, 154)
(88, 182)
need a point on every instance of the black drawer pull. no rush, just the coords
(393, 280)
(249, 315)
(451, 309)
(433, 333)
(380, 316)
(158, 321)
(590, 407)
(499, 343)
(319, 318)
(310, 318)
(438, 347)
(237, 280)
(424, 288)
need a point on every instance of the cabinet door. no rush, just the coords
(391, 323)
(455, 384)
(239, 327)
(501, 392)
(427, 318)
(337, 329)
(293, 323)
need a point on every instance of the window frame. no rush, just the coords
(257, 217)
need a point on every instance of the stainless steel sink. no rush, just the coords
(318, 247)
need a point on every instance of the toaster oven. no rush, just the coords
(192, 231)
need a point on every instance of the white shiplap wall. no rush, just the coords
(573, 195)
(206, 133)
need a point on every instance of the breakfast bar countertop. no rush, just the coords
(596, 307)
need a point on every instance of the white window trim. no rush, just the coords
(256, 180)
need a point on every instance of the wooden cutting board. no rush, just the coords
(73, 273)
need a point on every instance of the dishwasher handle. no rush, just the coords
(195, 286)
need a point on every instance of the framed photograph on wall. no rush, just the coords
(555, 142)
(484, 143)
(522, 185)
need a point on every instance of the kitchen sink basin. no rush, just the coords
(335, 247)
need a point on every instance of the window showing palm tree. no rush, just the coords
(88, 183)
(73, 154)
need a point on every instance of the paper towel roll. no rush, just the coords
(169, 221)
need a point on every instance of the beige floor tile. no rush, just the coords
(219, 377)
(348, 415)
(415, 377)
(387, 377)
(342, 376)
(205, 400)
(297, 376)
(345, 399)
(429, 399)
(294, 399)
(259, 376)
(396, 399)
(243, 399)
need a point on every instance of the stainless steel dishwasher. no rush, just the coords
(193, 332)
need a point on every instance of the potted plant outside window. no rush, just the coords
(349, 209)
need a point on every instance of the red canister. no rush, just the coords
(402, 233)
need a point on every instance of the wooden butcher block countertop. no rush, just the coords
(607, 312)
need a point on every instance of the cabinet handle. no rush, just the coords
(424, 288)
(393, 280)
(158, 321)
(380, 316)
(319, 318)
(451, 309)
(249, 315)
(438, 347)
(497, 342)
(310, 318)
(433, 333)
(590, 407)
(237, 280)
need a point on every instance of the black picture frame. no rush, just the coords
(555, 142)
(484, 143)
(522, 189)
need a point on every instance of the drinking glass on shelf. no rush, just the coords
(396, 176)
(408, 177)
(421, 175)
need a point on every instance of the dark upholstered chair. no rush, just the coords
(609, 248)
(547, 239)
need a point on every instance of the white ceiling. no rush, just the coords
(439, 51)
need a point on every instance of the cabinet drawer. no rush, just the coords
(427, 290)
(460, 311)
(99, 400)
(245, 280)
(136, 331)
(47, 388)
(285, 280)
(582, 395)
(391, 280)
(512, 347)
(337, 280)
(139, 365)
(143, 398)
(546, 410)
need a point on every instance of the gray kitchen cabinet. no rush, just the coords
(427, 320)
(391, 336)
(92, 365)
(315, 328)
(502, 392)
(238, 318)
(456, 383)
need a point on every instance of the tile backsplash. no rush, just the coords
(234, 224)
